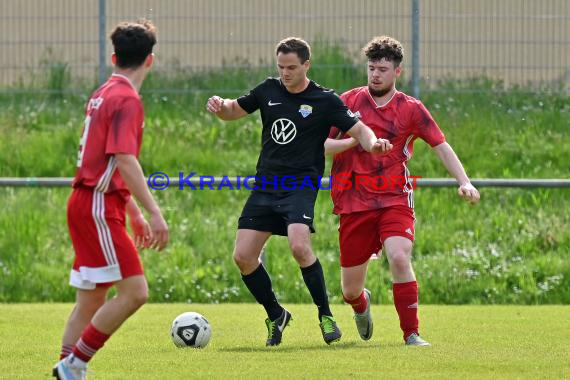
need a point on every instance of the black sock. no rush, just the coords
(259, 284)
(315, 281)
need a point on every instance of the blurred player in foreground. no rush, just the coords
(108, 172)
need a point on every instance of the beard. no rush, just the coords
(379, 93)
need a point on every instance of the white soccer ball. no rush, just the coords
(191, 330)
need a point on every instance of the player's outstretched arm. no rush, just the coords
(225, 109)
(368, 139)
(334, 146)
(132, 174)
(450, 160)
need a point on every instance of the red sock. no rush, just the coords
(406, 302)
(359, 304)
(66, 349)
(90, 342)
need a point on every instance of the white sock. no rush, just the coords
(74, 361)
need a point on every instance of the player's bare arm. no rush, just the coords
(225, 109)
(334, 146)
(450, 160)
(132, 174)
(139, 225)
(368, 139)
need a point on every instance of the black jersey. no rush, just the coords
(295, 127)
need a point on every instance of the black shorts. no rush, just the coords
(273, 212)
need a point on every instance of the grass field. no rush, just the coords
(469, 342)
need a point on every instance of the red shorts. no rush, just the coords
(361, 234)
(104, 251)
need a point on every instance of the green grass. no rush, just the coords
(507, 135)
(512, 248)
(471, 342)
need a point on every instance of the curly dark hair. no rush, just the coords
(294, 45)
(384, 47)
(133, 42)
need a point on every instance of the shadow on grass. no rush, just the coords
(312, 347)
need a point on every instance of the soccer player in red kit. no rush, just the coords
(379, 213)
(108, 172)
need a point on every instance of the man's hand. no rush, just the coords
(159, 232)
(381, 146)
(469, 193)
(368, 139)
(141, 231)
(215, 104)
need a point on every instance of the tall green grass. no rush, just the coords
(513, 247)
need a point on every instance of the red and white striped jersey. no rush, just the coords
(113, 124)
(401, 121)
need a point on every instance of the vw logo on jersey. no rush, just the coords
(283, 131)
(305, 110)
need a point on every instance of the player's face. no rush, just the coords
(291, 71)
(382, 76)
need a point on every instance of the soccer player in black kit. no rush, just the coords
(297, 115)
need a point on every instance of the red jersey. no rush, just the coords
(401, 121)
(113, 124)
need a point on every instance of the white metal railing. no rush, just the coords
(421, 182)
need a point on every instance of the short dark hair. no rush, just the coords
(294, 45)
(384, 47)
(133, 42)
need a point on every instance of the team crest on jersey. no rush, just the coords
(95, 103)
(305, 110)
